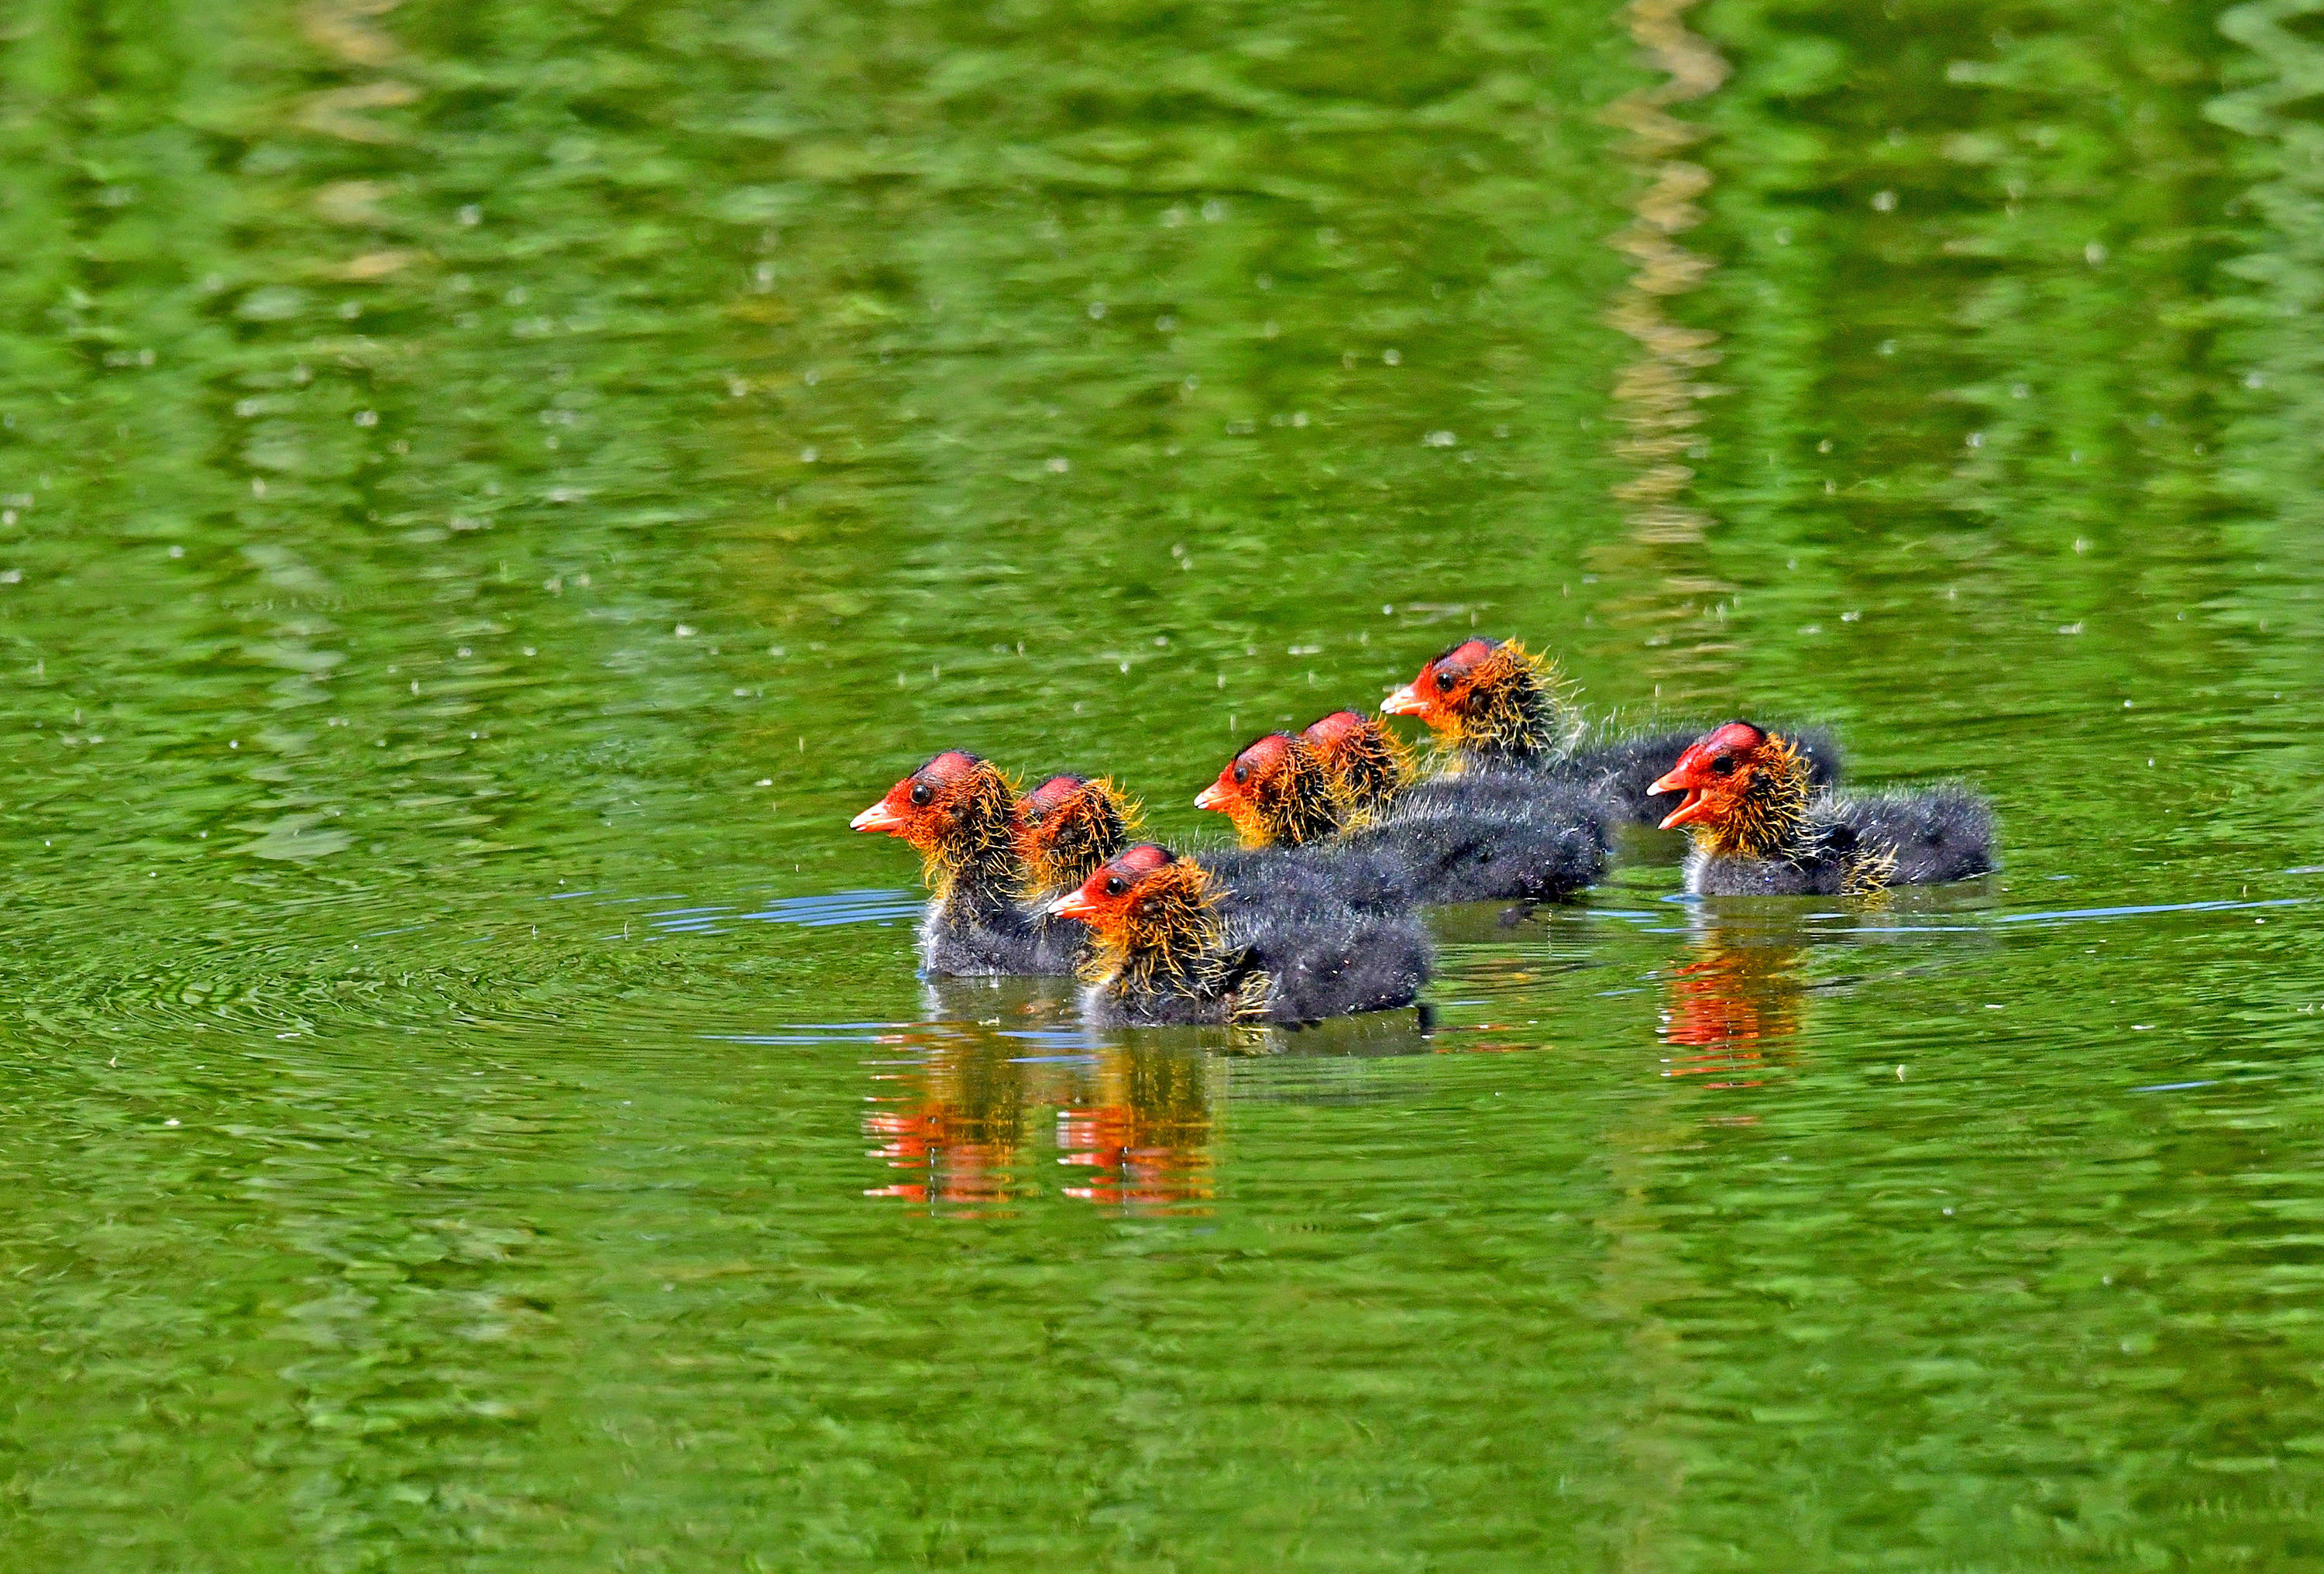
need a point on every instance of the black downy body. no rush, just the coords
(1854, 842)
(1297, 957)
(1760, 828)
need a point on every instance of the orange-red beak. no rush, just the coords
(877, 817)
(1678, 778)
(1073, 904)
(1404, 701)
(1693, 807)
(1212, 797)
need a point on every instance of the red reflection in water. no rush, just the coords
(1148, 1133)
(956, 1121)
(1737, 1005)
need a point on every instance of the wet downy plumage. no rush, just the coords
(1760, 828)
(958, 812)
(1168, 950)
(1067, 826)
(1486, 835)
(994, 862)
(1372, 766)
(1494, 703)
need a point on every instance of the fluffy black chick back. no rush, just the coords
(1335, 961)
(1941, 834)
(1321, 873)
(1484, 839)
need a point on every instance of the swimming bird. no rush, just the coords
(994, 862)
(1494, 702)
(1486, 835)
(1760, 829)
(959, 812)
(1166, 950)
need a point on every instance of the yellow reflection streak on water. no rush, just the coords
(1656, 394)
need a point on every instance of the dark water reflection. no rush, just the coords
(487, 490)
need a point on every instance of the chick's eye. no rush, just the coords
(1444, 683)
(1723, 766)
(1116, 885)
(1243, 773)
(921, 793)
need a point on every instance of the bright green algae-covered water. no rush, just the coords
(487, 489)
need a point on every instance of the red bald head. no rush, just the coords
(1714, 773)
(1106, 896)
(1440, 693)
(1049, 796)
(1328, 731)
(915, 805)
(1248, 774)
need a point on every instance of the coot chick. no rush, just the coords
(1371, 765)
(1166, 951)
(1277, 793)
(1486, 835)
(956, 812)
(1760, 830)
(1494, 702)
(1070, 823)
(1064, 828)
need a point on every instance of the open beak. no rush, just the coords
(877, 817)
(1211, 797)
(1404, 701)
(1070, 906)
(1693, 807)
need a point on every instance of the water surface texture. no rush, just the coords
(488, 488)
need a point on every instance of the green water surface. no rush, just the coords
(489, 487)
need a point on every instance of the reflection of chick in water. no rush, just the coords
(1148, 1132)
(1737, 1003)
(957, 1119)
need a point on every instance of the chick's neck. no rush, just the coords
(1372, 767)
